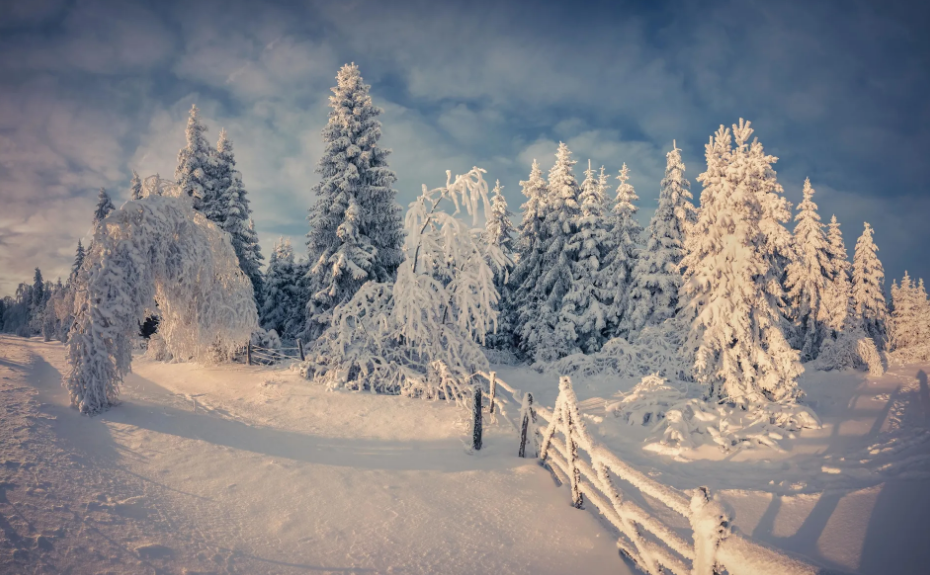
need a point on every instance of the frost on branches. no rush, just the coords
(656, 278)
(837, 299)
(621, 261)
(421, 336)
(282, 305)
(732, 277)
(868, 288)
(530, 248)
(909, 329)
(156, 250)
(499, 232)
(356, 232)
(809, 275)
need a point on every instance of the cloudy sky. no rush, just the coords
(90, 90)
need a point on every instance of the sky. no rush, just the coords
(91, 90)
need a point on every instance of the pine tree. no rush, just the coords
(867, 288)
(499, 231)
(907, 324)
(39, 291)
(524, 295)
(809, 276)
(281, 308)
(135, 187)
(230, 210)
(78, 262)
(356, 230)
(731, 279)
(656, 279)
(584, 305)
(621, 259)
(104, 207)
(195, 164)
(837, 299)
(546, 334)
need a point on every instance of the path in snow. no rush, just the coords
(246, 470)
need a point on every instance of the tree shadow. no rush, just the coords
(924, 393)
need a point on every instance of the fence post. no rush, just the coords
(248, 354)
(492, 392)
(300, 348)
(571, 445)
(477, 428)
(528, 413)
(710, 525)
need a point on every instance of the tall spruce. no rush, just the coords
(499, 231)
(621, 259)
(583, 305)
(195, 163)
(282, 307)
(523, 284)
(78, 262)
(656, 279)
(868, 288)
(230, 209)
(809, 277)
(837, 301)
(731, 280)
(547, 334)
(356, 230)
(908, 321)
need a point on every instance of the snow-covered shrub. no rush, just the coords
(157, 349)
(648, 401)
(154, 250)
(420, 336)
(658, 349)
(852, 349)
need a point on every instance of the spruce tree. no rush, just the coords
(809, 276)
(104, 207)
(909, 316)
(281, 308)
(78, 262)
(135, 187)
(838, 297)
(583, 305)
(548, 335)
(195, 164)
(356, 231)
(231, 211)
(867, 288)
(523, 284)
(499, 231)
(731, 279)
(621, 259)
(656, 279)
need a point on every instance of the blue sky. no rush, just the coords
(90, 90)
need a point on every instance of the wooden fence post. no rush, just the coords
(710, 524)
(248, 354)
(492, 392)
(300, 348)
(528, 413)
(477, 428)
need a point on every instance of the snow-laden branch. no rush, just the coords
(156, 250)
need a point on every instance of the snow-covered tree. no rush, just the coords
(908, 322)
(809, 276)
(546, 334)
(356, 232)
(135, 187)
(656, 278)
(231, 211)
(195, 164)
(420, 336)
(584, 304)
(731, 282)
(530, 245)
(283, 303)
(622, 256)
(154, 251)
(104, 207)
(499, 231)
(868, 288)
(837, 298)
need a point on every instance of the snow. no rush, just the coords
(229, 469)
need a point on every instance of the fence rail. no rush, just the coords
(263, 355)
(704, 544)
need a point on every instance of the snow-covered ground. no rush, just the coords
(852, 496)
(246, 470)
(249, 470)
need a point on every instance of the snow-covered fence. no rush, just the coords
(703, 544)
(266, 356)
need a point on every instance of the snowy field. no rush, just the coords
(250, 470)
(246, 470)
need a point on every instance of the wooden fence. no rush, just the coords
(701, 542)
